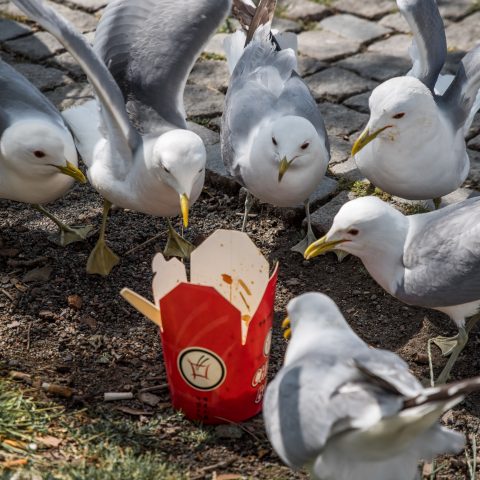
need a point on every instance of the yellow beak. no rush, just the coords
(321, 246)
(185, 205)
(288, 331)
(284, 166)
(74, 172)
(365, 138)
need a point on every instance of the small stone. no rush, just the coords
(474, 143)
(228, 431)
(38, 46)
(366, 8)
(396, 46)
(348, 170)
(304, 10)
(75, 301)
(359, 102)
(149, 399)
(46, 315)
(341, 120)
(395, 21)
(293, 282)
(210, 73)
(464, 35)
(41, 275)
(203, 101)
(9, 29)
(326, 46)
(322, 218)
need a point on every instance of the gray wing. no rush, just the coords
(264, 84)
(312, 400)
(442, 258)
(460, 97)
(121, 133)
(18, 97)
(150, 47)
(430, 44)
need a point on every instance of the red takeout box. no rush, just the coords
(216, 330)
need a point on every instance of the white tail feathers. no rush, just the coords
(233, 46)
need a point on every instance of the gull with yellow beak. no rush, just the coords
(429, 260)
(139, 153)
(344, 411)
(414, 143)
(38, 158)
(274, 141)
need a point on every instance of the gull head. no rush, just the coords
(364, 226)
(315, 309)
(179, 159)
(37, 148)
(292, 143)
(401, 110)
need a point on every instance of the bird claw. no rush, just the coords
(69, 235)
(177, 246)
(102, 260)
(302, 246)
(446, 344)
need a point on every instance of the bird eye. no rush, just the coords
(39, 154)
(305, 145)
(399, 115)
(353, 231)
(274, 140)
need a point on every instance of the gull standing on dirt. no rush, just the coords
(139, 153)
(274, 141)
(429, 260)
(345, 411)
(38, 158)
(414, 143)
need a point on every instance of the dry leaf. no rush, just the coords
(15, 444)
(132, 411)
(229, 476)
(149, 399)
(49, 441)
(75, 301)
(14, 463)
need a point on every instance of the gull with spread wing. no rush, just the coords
(139, 153)
(274, 141)
(429, 260)
(38, 158)
(345, 411)
(414, 143)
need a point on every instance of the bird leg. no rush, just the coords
(448, 344)
(437, 202)
(310, 238)
(66, 234)
(249, 201)
(177, 246)
(102, 259)
(461, 342)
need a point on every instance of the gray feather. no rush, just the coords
(436, 261)
(19, 98)
(460, 97)
(150, 46)
(430, 42)
(122, 134)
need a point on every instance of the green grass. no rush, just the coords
(103, 446)
(213, 56)
(363, 189)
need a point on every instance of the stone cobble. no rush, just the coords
(346, 48)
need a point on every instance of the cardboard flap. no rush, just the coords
(231, 263)
(168, 274)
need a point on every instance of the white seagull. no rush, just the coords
(414, 143)
(142, 157)
(429, 260)
(345, 411)
(38, 158)
(274, 141)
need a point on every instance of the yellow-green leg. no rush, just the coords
(66, 234)
(102, 259)
(177, 246)
(302, 246)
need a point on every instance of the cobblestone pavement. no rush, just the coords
(346, 48)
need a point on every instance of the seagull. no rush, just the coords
(274, 141)
(345, 411)
(414, 143)
(429, 260)
(141, 157)
(38, 158)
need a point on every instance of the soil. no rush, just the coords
(99, 344)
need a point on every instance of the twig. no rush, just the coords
(10, 297)
(144, 244)
(28, 336)
(156, 388)
(211, 468)
(241, 427)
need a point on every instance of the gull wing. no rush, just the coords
(150, 47)
(429, 49)
(120, 131)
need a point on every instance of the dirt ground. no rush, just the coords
(103, 345)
